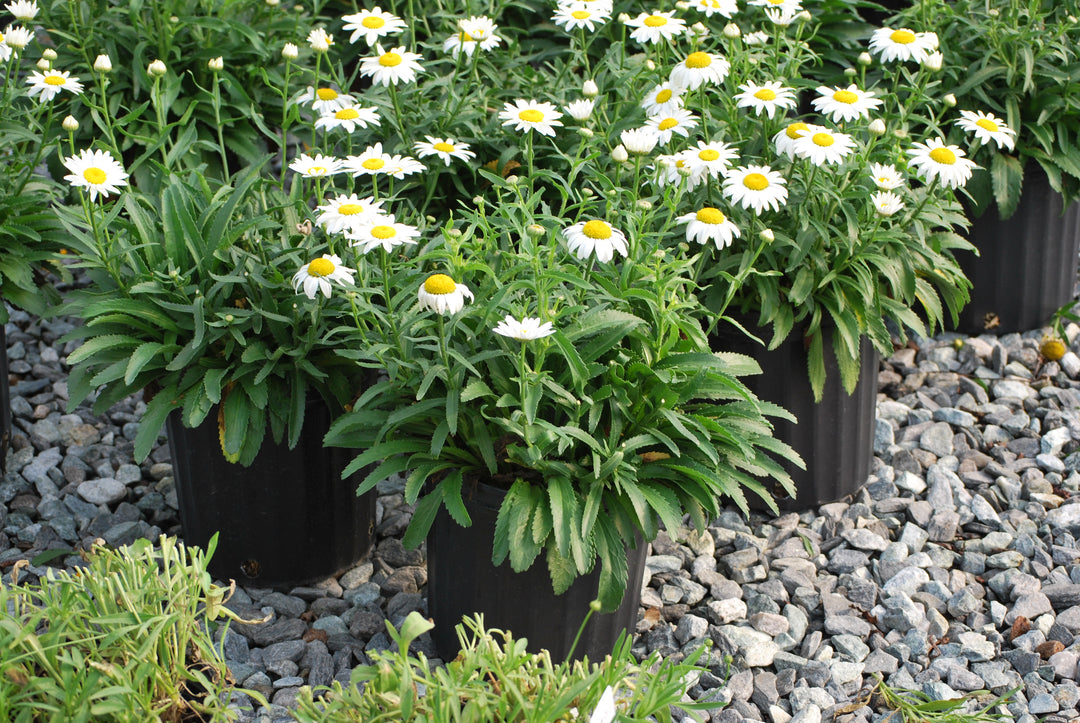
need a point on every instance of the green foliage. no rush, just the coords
(914, 706)
(495, 679)
(120, 639)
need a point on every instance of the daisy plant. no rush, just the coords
(1013, 71)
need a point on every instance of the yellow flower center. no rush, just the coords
(943, 155)
(373, 164)
(326, 94)
(317, 171)
(465, 37)
(443, 146)
(383, 232)
(347, 114)
(321, 267)
(373, 22)
(389, 60)
(94, 175)
(708, 154)
(531, 115)
(765, 94)
(580, 14)
(667, 124)
(845, 96)
(656, 21)
(597, 230)
(350, 209)
(440, 284)
(776, 2)
(755, 181)
(54, 80)
(680, 163)
(794, 129)
(987, 124)
(823, 139)
(1, 37)
(698, 60)
(663, 96)
(711, 215)
(904, 37)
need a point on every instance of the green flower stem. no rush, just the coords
(318, 68)
(285, 122)
(106, 116)
(744, 271)
(38, 152)
(159, 113)
(523, 386)
(397, 112)
(529, 156)
(220, 131)
(391, 319)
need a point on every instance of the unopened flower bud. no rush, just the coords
(535, 230)
(682, 5)
(849, 72)
(700, 30)
(70, 124)
(612, 193)
(103, 64)
(589, 89)
(767, 235)
(513, 179)
(290, 51)
(731, 30)
(430, 219)
(174, 19)
(950, 100)
(585, 132)
(684, 171)
(877, 127)
(644, 204)
(478, 200)
(43, 64)
(865, 59)
(157, 69)
(455, 233)
(588, 192)
(216, 64)
(900, 133)
(49, 54)
(934, 62)
(624, 18)
(993, 12)
(804, 16)
(619, 154)
(229, 318)
(273, 3)
(1072, 18)
(650, 65)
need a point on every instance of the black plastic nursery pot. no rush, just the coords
(287, 520)
(1027, 263)
(462, 581)
(5, 402)
(834, 436)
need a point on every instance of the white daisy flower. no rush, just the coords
(758, 37)
(320, 40)
(5, 49)
(845, 104)
(580, 110)
(987, 127)
(756, 187)
(391, 67)
(782, 17)
(886, 203)
(823, 146)
(709, 224)
(96, 171)
(317, 275)
(767, 98)
(383, 232)
(50, 83)
(885, 176)
(347, 213)
(936, 160)
(318, 166)
(25, 10)
(401, 166)
(664, 99)
(676, 168)
(784, 5)
(440, 294)
(727, 8)
(572, 16)
(698, 68)
(588, 237)
(325, 100)
(445, 148)
(17, 37)
(369, 163)
(903, 44)
(527, 115)
(680, 122)
(785, 139)
(527, 329)
(475, 32)
(656, 27)
(350, 118)
(714, 158)
(933, 61)
(639, 141)
(372, 25)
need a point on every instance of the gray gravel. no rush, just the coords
(953, 569)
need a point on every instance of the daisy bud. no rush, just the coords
(430, 219)
(876, 127)
(513, 180)
(585, 132)
(589, 89)
(157, 69)
(229, 318)
(950, 100)
(1072, 18)
(456, 232)
(682, 5)
(588, 192)
(849, 72)
(619, 154)
(644, 204)
(612, 193)
(290, 51)
(216, 64)
(650, 65)
(102, 64)
(767, 236)
(993, 12)
(700, 30)
(70, 124)
(900, 133)
(273, 3)
(43, 64)
(865, 59)
(933, 62)
(804, 16)
(49, 54)
(731, 30)
(174, 19)
(684, 171)
(535, 230)
(478, 200)
(624, 18)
